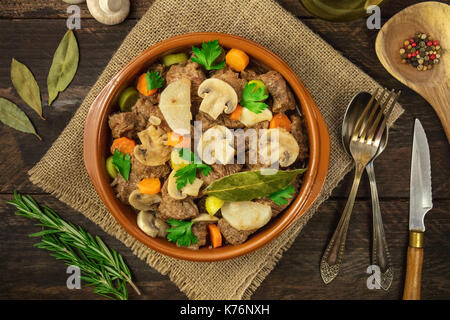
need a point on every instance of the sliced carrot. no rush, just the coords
(280, 120)
(215, 235)
(237, 59)
(176, 140)
(149, 186)
(124, 145)
(142, 86)
(236, 114)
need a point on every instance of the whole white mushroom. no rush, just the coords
(109, 11)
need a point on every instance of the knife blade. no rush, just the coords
(420, 202)
(420, 199)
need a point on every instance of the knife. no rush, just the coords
(420, 202)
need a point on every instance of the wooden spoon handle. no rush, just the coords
(414, 261)
(440, 101)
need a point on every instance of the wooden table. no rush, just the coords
(30, 31)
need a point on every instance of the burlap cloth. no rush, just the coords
(331, 79)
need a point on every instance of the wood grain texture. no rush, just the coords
(413, 278)
(33, 274)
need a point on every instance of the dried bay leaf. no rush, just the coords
(64, 66)
(26, 86)
(12, 116)
(249, 185)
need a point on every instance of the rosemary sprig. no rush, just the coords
(100, 266)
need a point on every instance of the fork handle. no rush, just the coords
(334, 253)
(380, 250)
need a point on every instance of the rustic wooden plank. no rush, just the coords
(33, 274)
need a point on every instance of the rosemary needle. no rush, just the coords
(100, 266)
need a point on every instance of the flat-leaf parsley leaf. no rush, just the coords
(154, 80)
(188, 174)
(181, 233)
(122, 163)
(208, 54)
(253, 97)
(280, 197)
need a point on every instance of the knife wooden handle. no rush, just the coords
(414, 262)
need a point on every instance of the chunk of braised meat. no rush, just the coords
(122, 124)
(223, 120)
(170, 208)
(200, 230)
(232, 78)
(298, 130)
(144, 110)
(138, 172)
(233, 236)
(283, 98)
(192, 71)
(219, 171)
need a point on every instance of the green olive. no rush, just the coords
(112, 171)
(128, 99)
(259, 84)
(174, 59)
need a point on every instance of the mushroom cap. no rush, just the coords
(74, 1)
(285, 150)
(218, 96)
(191, 189)
(217, 145)
(152, 151)
(142, 201)
(109, 12)
(151, 225)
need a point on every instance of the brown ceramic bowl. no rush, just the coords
(97, 135)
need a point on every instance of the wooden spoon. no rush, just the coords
(432, 18)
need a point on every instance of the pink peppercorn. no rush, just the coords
(413, 44)
(409, 55)
(435, 42)
(432, 56)
(429, 43)
(411, 40)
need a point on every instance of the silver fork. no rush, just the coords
(364, 144)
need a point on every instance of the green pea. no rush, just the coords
(112, 171)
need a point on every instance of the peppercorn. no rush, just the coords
(435, 42)
(402, 51)
(420, 67)
(429, 44)
(421, 51)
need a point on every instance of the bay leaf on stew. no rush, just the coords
(12, 116)
(249, 185)
(64, 66)
(26, 86)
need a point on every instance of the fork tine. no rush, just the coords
(360, 121)
(383, 108)
(379, 134)
(368, 123)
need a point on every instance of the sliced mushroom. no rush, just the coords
(109, 11)
(246, 215)
(249, 118)
(151, 225)
(142, 201)
(152, 151)
(217, 145)
(175, 105)
(278, 145)
(191, 189)
(154, 120)
(204, 217)
(218, 96)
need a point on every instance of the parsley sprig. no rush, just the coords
(280, 197)
(181, 232)
(100, 266)
(188, 174)
(208, 55)
(122, 162)
(253, 97)
(154, 80)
